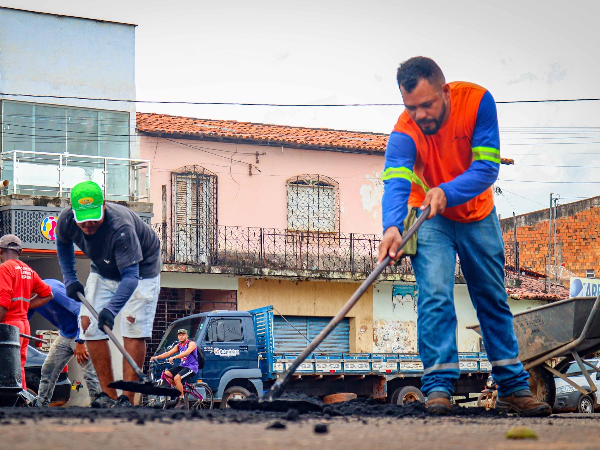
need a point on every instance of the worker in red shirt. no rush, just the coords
(18, 283)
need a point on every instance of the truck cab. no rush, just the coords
(228, 340)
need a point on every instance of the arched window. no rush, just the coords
(312, 203)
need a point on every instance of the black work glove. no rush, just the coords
(73, 289)
(106, 318)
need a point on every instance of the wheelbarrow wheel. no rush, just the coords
(541, 383)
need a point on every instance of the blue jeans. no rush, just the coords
(480, 247)
(61, 351)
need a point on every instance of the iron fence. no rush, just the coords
(247, 249)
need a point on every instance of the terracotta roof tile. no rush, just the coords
(262, 134)
(265, 134)
(535, 289)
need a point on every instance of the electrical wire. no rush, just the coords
(286, 105)
(549, 182)
(524, 198)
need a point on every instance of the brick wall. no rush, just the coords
(176, 303)
(577, 237)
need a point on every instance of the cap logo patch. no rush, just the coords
(85, 200)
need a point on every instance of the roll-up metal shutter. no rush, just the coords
(291, 334)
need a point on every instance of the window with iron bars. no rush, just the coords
(312, 204)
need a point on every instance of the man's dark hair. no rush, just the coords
(417, 68)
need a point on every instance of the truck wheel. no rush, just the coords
(541, 383)
(585, 404)
(407, 394)
(235, 393)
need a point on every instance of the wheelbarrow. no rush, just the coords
(568, 329)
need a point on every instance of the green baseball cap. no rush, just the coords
(182, 331)
(87, 200)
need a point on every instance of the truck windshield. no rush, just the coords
(193, 325)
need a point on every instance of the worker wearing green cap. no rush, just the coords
(124, 279)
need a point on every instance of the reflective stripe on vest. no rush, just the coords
(486, 154)
(404, 173)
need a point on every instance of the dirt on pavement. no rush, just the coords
(356, 424)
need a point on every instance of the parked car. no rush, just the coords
(569, 399)
(33, 373)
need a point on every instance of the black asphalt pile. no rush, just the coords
(301, 404)
(287, 402)
(373, 408)
(360, 409)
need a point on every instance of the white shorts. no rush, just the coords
(141, 307)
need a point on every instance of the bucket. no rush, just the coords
(10, 360)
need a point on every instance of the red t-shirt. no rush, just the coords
(18, 282)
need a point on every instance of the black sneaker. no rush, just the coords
(122, 402)
(102, 400)
(180, 404)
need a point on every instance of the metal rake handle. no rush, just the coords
(114, 339)
(284, 378)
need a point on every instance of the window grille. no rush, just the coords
(312, 203)
(194, 214)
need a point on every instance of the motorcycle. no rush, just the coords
(487, 398)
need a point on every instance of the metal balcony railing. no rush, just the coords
(248, 249)
(54, 174)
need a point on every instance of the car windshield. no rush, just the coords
(574, 368)
(192, 325)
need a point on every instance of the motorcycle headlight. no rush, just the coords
(565, 389)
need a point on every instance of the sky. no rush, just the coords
(338, 52)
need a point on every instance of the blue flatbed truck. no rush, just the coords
(242, 359)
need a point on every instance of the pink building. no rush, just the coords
(254, 214)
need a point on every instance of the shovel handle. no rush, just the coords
(284, 378)
(33, 338)
(114, 339)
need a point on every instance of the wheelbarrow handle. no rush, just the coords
(114, 339)
(284, 378)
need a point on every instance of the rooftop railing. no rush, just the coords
(54, 174)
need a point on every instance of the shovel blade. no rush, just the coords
(145, 387)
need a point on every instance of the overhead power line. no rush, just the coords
(286, 105)
(549, 182)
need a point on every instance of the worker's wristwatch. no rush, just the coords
(79, 341)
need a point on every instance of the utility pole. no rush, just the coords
(516, 248)
(549, 259)
(555, 243)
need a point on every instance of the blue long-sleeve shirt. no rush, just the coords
(462, 158)
(61, 311)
